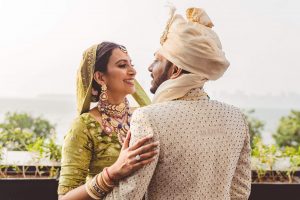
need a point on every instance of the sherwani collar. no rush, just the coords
(194, 95)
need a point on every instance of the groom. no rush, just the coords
(204, 148)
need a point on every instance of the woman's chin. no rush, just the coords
(129, 91)
(132, 90)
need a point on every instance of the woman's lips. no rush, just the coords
(129, 81)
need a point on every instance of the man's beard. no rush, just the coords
(164, 77)
(159, 81)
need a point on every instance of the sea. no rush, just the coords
(60, 110)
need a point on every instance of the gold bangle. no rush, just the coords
(89, 191)
(103, 185)
(108, 176)
(105, 182)
(95, 189)
(100, 190)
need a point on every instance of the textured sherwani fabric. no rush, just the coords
(204, 152)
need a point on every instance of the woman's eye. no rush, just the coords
(122, 66)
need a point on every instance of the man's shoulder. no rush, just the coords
(148, 109)
(224, 105)
(169, 107)
(226, 108)
(153, 110)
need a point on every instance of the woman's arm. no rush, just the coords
(76, 157)
(77, 193)
(123, 167)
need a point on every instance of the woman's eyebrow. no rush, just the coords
(121, 60)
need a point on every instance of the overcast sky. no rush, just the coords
(41, 42)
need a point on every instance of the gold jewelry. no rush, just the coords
(103, 96)
(123, 48)
(115, 118)
(91, 187)
(97, 190)
(103, 184)
(108, 176)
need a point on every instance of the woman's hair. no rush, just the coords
(103, 53)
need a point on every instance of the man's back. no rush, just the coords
(204, 150)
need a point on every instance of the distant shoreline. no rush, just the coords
(62, 111)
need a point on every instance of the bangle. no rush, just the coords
(108, 176)
(90, 192)
(95, 190)
(104, 184)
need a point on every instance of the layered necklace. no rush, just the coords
(115, 118)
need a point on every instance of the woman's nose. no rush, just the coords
(132, 71)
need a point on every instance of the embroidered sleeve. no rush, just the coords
(76, 157)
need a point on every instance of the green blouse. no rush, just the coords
(86, 151)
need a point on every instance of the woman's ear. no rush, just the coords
(99, 78)
(176, 72)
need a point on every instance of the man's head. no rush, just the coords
(161, 70)
(191, 45)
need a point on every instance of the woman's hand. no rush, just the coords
(133, 158)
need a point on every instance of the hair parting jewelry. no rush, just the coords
(123, 48)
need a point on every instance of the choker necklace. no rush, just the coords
(115, 118)
(113, 110)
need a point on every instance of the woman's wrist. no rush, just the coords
(97, 188)
(112, 174)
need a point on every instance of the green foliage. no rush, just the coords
(256, 126)
(288, 131)
(53, 151)
(266, 153)
(36, 146)
(22, 132)
(277, 163)
(1, 152)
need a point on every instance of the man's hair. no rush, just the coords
(169, 64)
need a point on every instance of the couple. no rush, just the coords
(182, 146)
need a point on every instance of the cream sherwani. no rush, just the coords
(204, 152)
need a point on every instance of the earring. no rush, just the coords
(103, 96)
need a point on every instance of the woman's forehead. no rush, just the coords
(118, 54)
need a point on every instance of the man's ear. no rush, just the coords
(99, 78)
(175, 72)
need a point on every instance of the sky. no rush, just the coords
(41, 41)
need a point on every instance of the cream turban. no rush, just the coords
(193, 46)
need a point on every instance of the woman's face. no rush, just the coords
(120, 74)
